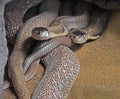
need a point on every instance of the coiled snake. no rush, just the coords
(61, 25)
(80, 36)
(19, 53)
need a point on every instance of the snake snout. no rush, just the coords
(40, 33)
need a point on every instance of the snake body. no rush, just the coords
(68, 21)
(20, 52)
(14, 13)
(95, 28)
(66, 8)
(98, 22)
(45, 88)
(62, 24)
(97, 25)
(59, 76)
(44, 49)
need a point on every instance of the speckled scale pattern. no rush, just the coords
(98, 22)
(19, 53)
(61, 72)
(14, 13)
(78, 21)
(70, 22)
(80, 18)
(44, 50)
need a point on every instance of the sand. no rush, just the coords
(99, 76)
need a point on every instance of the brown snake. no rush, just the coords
(20, 52)
(53, 27)
(77, 37)
(44, 49)
(14, 13)
(41, 20)
(59, 76)
(68, 22)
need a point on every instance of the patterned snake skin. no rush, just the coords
(59, 76)
(20, 52)
(97, 20)
(62, 24)
(67, 21)
(14, 13)
(44, 49)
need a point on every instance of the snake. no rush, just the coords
(42, 50)
(77, 36)
(42, 8)
(14, 13)
(54, 28)
(59, 76)
(20, 51)
(65, 23)
(97, 25)
(68, 21)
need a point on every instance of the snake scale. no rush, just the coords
(43, 20)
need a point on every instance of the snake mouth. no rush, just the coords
(40, 33)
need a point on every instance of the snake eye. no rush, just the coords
(40, 33)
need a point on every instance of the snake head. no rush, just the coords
(79, 37)
(40, 33)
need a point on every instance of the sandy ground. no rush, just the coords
(99, 76)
